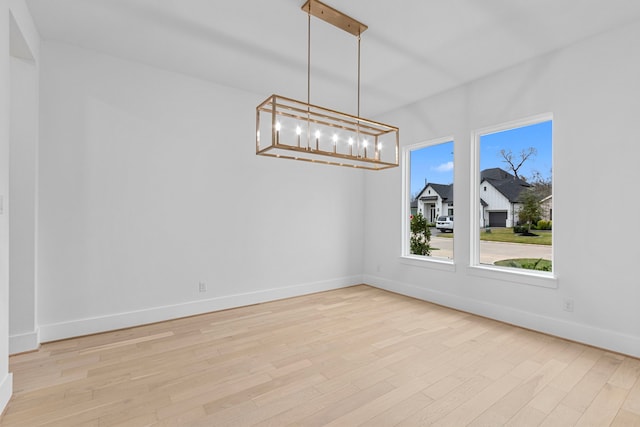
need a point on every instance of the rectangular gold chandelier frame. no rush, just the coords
(291, 129)
(301, 131)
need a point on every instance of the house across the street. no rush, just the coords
(499, 199)
(435, 200)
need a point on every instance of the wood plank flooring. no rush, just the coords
(355, 356)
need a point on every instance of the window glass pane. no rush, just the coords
(431, 200)
(516, 197)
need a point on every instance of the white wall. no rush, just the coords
(5, 377)
(593, 91)
(18, 88)
(149, 184)
(23, 189)
(23, 159)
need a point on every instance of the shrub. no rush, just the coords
(544, 225)
(536, 265)
(527, 263)
(420, 235)
(519, 229)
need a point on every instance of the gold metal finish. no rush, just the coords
(342, 139)
(291, 129)
(334, 17)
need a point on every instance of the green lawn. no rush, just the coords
(528, 263)
(507, 235)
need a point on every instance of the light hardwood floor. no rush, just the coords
(347, 357)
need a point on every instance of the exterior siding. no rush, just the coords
(546, 205)
(425, 206)
(496, 202)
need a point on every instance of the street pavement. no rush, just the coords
(491, 252)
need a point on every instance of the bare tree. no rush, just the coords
(542, 185)
(516, 163)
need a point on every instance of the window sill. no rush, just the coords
(526, 277)
(442, 264)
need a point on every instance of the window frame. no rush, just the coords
(406, 257)
(523, 276)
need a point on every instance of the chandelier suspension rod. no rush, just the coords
(358, 37)
(358, 76)
(309, 78)
(309, 56)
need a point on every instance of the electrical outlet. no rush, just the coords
(567, 304)
(202, 287)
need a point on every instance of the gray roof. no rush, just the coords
(495, 174)
(444, 190)
(508, 185)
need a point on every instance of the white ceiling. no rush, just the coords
(412, 49)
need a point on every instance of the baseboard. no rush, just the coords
(597, 337)
(6, 389)
(79, 327)
(24, 342)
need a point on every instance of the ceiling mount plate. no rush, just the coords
(334, 17)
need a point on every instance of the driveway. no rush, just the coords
(491, 252)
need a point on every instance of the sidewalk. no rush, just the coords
(491, 252)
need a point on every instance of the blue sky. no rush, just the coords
(431, 164)
(435, 163)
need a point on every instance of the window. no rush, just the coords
(428, 200)
(514, 171)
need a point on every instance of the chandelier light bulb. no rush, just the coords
(277, 132)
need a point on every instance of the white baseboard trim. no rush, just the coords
(20, 343)
(6, 389)
(79, 327)
(590, 335)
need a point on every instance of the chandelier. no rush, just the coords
(291, 129)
